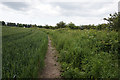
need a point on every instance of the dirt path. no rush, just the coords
(52, 67)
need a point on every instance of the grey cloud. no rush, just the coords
(84, 9)
(16, 5)
(82, 14)
(80, 5)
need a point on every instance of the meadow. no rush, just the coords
(24, 51)
(87, 53)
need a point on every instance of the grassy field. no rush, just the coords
(87, 53)
(23, 52)
(82, 53)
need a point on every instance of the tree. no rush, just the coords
(61, 24)
(118, 20)
(71, 25)
(20, 25)
(113, 21)
(46, 26)
(34, 25)
(40, 26)
(11, 24)
(3, 23)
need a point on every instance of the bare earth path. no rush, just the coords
(52, 68)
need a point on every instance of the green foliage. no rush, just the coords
(113, 21)
(19, 25)
(71, 25)
(23, 52)
(11, 24)
(61, 24)
(103, 27)
(87, 53)
(2, 23)
(48, 27)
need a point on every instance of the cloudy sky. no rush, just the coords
(50, 12)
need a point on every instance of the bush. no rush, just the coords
(87, 53)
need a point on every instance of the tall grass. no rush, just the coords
(23, 52)
(87, 53)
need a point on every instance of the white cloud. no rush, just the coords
(52, 11)
(119, 6)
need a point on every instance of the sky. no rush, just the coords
(42, 12)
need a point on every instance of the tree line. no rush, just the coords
(113, 22)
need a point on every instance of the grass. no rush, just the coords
(23, 52)
(82, 53)
(87, 53)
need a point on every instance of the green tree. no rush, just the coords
(46, 26)
(113, 21)
(40, 26)
(3, 23)
(71, 25)
(20, 25)
(61, 24)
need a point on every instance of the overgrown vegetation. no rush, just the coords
(87, 53)
(23, 52)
